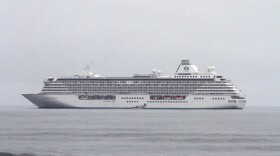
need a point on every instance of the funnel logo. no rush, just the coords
(186, 68)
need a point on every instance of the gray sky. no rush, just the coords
(46, 38)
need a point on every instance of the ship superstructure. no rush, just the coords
(187, 88)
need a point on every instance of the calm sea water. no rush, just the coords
(66, 132)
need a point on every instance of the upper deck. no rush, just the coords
(186, 80)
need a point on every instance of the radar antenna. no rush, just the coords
(88, 66)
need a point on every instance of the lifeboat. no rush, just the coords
(156, 97)
(179, 97)
(167, 97)
(84, 97)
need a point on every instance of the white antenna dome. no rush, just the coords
(154, 71)
(212, 69)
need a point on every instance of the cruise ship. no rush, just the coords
(187, 88)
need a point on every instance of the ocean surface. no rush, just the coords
(82, 132)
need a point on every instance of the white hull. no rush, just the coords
(72, 101)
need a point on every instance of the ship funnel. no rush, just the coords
(185, 62)
(186, 67)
